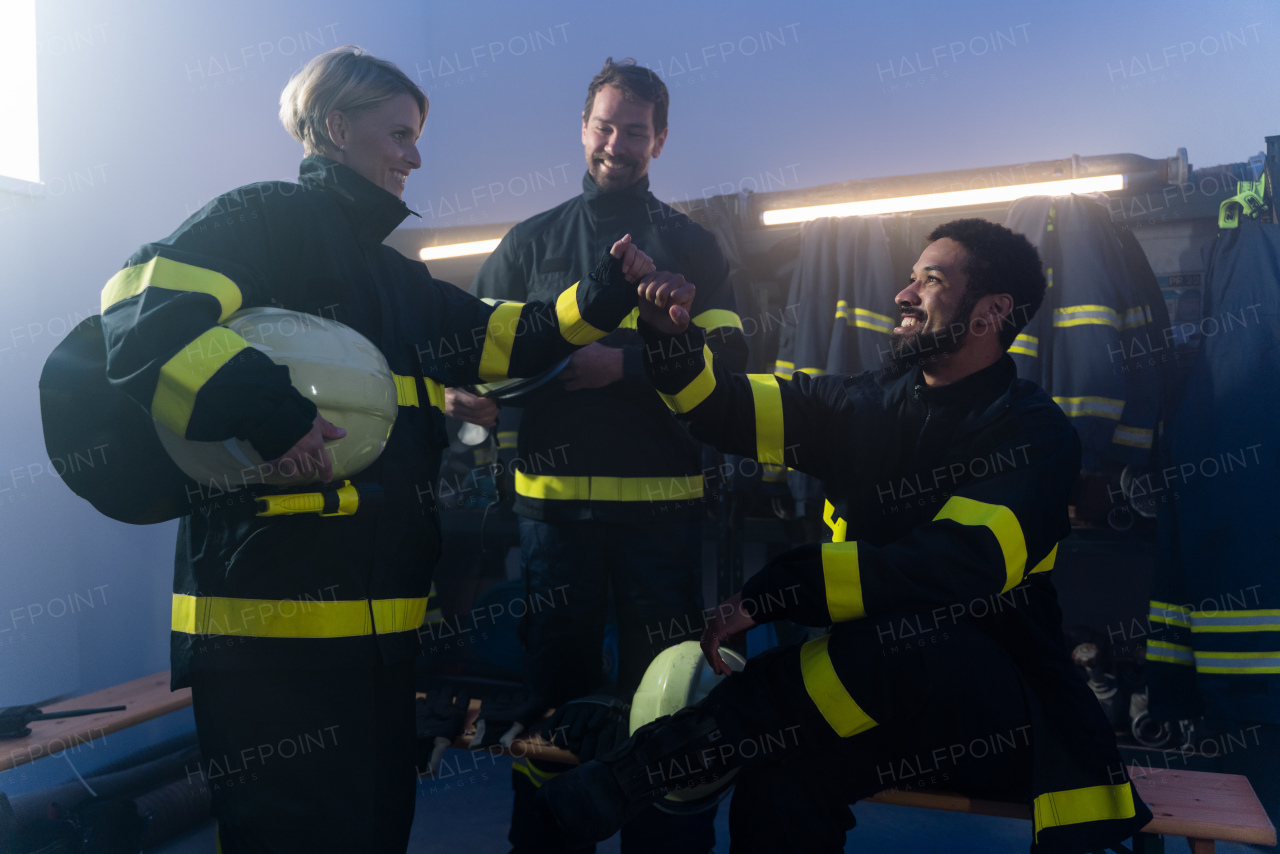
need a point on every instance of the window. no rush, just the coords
(20, 142)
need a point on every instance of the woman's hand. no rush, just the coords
(309, 456)
(470, 408)
(635, 264)
(726, 622)
(665, 300)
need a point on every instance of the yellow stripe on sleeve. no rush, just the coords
(767, 397)
(1001, 521)
(182, 377)
(170, 275)
(499, 338)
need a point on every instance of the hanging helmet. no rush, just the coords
(150, 474)
(678, 677)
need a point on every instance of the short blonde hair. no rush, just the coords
(346, 79)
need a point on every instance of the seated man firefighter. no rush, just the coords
(945, 665)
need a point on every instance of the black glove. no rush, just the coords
(505, 716)
(441, 718)
(590, 726)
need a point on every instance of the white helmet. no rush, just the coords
(332, 365)
(680, 676)
(150, 474)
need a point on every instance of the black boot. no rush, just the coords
(680, 751)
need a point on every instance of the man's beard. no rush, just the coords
(909, 348)
(615, 181)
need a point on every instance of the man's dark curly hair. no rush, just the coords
(999, 261)
(637, 84)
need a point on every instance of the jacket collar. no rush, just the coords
(372, 211)
(987, 392)
(615, 202)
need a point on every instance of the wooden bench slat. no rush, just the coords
(144, 699)
(1201, 805)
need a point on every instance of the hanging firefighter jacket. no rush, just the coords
(613, 453)
(953, 497)
(840, 310)
(1098, 342)
(1214, 647)
(307, 590)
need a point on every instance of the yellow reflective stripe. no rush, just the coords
(784, 369)
(499, 337)
(551, 488)
(828, 693)
(1265, 620)
(1169, 606)
(1049, 560)
(1085, 315)
(717, 318)
(864, 318)
(1170, 653)
(170, 275)
(507, 439)
(698, 389)
(766, 396)
(1133, 437)
(1027, 345)
(407, 391)
(1243, 663)
(839, 527)
(1101, 407)
(294, 618)
(629, 322)
(1001, 521)
(182, 377)
(843, 581)
(773, 474)
(537, 776)
(1134, 317)
(573, 328)
(1076, 806)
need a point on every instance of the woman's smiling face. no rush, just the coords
(380, 143)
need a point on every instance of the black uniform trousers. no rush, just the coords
(951, 712)
(655, 570)
(309, 760)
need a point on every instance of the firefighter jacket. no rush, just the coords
(612, 453)
(952, 501)
(1213, 646)
(1100, 341)
(306, 590)
(840, 311)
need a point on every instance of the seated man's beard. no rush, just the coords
(908, 348)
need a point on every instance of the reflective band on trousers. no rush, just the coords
(295, 618)
(828, 693)
(671, 488)
(1076, 806)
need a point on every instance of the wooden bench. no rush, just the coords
(143, 699)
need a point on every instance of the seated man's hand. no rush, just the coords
(470, 408)
(665, 299)
(635, 264)
(594, 366)
(727, 622)
(308, 456)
